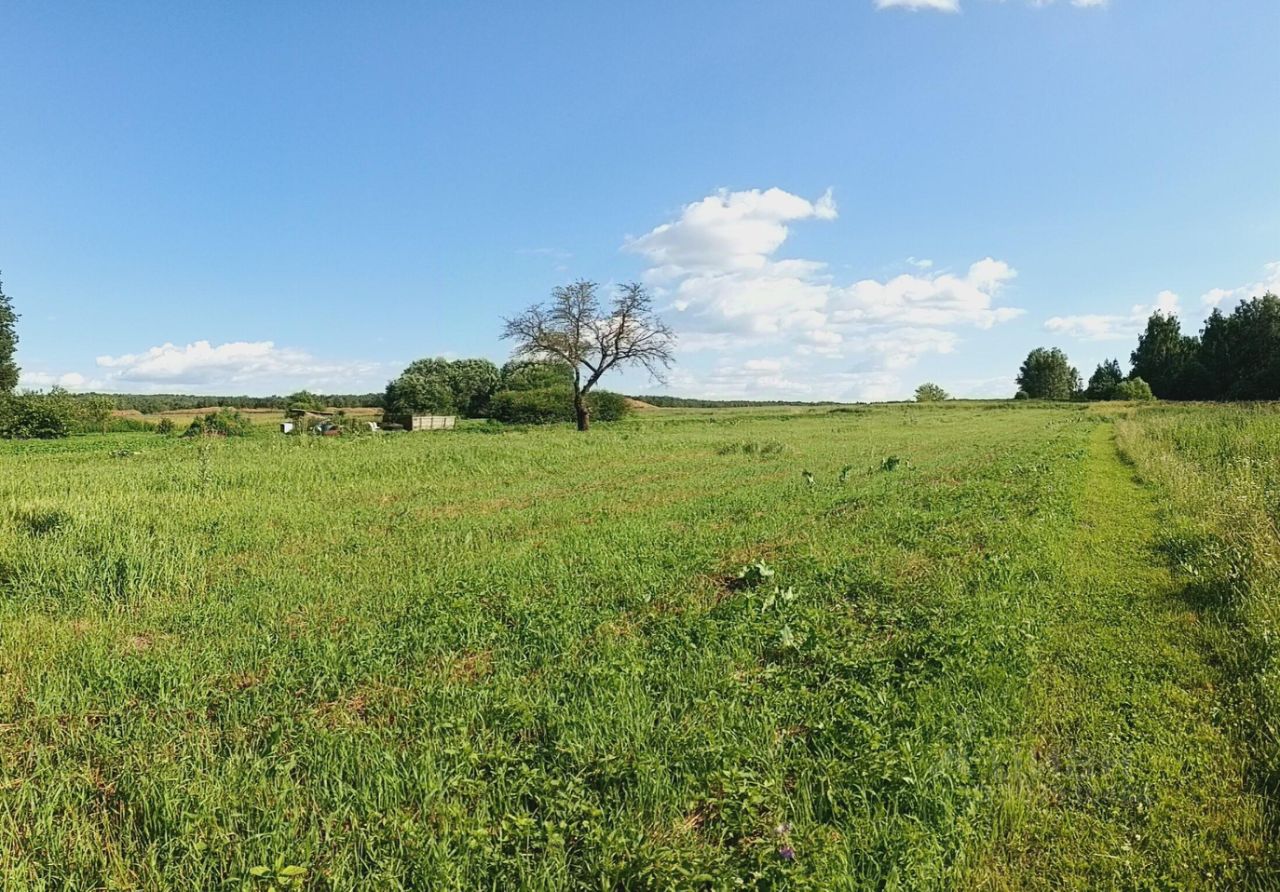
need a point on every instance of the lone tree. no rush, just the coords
(931, 393)
(1047, 374)
(575, 329)
(8, 343)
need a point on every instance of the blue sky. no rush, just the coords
(829, 199)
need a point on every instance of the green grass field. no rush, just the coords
(1004, 646)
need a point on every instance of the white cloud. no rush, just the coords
(1218, 297)
(717, 268)
(236, 364)
(715, 263)
(1105, 327)
(914, 5)
(943, 299)
(727, 232)
(45, 380)
(996, 387)
(202, 367)
(792, 381)
(954, 5)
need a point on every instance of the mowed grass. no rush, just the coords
(510, 660)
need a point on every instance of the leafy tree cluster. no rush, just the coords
(222, 423)
(1108, 382)
(1236, 356)
(1047, 374)
(441, 386)
(36, 416)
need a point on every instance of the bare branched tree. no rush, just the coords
(574, 328)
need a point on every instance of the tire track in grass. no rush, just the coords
(1129, 782)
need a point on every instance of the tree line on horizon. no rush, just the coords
(1235, 356)
(564, 347)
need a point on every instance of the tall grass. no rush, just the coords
(1220, 467)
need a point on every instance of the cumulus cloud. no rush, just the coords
(727, 232)
(239, 364)
(1105, 327)
(716, 265)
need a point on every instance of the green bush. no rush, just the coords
(222, 423)
(36, 416)
(549, 405)
(607, 405)
(931, 393)
(1022, 395)
(1134, 389)
(165, 426)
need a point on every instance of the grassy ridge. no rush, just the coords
(522, 660)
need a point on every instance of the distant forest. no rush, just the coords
(151, 403)
(680, 402)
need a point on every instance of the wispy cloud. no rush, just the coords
(954, 5)
(915, 5)
(204, 367)
(1109, 327)
(1126, 326)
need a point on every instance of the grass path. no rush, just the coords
(1131, 784)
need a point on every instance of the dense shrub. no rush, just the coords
(36, 416)
(165, 426)
(222, 423)
(548, 405)
(119, 424)
(607, 405)
(1022, 395)
(1134, 389)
